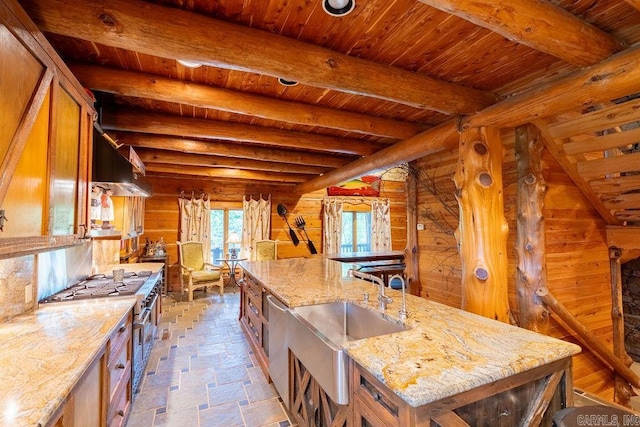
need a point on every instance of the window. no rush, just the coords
(223, 222)
(356, 232)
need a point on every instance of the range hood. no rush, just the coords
(112, 171)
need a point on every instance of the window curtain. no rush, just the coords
(256, 224)
(332, 225)
(195, 222)
(380, 225)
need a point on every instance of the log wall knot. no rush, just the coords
(530, 179)
(107, 20)
(529, 246)
(332, 63)
(481, 273)
(480, 148)
(485, 179)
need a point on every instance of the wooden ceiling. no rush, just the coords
(390, 82)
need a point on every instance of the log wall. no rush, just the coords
(161, 212)
(577, 254)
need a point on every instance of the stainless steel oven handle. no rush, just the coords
(145, 319)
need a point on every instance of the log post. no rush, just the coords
(530, 242)
(623, 390)
(411, 250)
(482, 229)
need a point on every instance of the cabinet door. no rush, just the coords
(88, 399)
(64, 168)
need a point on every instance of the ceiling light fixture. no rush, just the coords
(338, 7)
(284, 82)
(189, 64)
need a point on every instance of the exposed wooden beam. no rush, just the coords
(232, 150)
(613, 78)
(537, 24)
(202, 160)
(227, 173)
(129, 83)
(634, 3)
(616, 185)
(142, 27)
(166, 124)
(433, 140)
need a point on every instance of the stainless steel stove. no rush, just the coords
(145, 287)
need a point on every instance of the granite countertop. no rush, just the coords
(446, 351)
(43, 354)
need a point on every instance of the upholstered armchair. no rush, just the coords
(266, 249)
(194, 272)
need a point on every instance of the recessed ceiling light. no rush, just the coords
(189, 64)
(338, 7)
(284, 82)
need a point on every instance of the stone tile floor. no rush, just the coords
(202, 372)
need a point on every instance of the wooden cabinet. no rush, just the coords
(45, 129)
(310, 404)
(254, 319)
(119, 351)
(102, 397)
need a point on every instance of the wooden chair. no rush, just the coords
(194, 272)
(266, 249)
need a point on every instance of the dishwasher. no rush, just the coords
(278, 348)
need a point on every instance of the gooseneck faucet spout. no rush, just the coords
(403, 311)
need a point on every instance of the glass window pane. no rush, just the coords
(217, 233)
(363, 226)
(235, 221)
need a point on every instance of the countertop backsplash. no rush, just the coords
(59, 269)
(17, 279)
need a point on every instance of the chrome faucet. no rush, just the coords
(403, 311)
(382, 298)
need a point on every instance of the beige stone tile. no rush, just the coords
(141, 419)
(260, 391)
(184, 417)
(227, 393)
(263, 413)
(150, 400)
(198, 377)
(160, 380)
(174, 364)
(226, 375)
(227, 415)
(187, 397)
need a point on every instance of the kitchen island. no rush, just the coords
(447, 360)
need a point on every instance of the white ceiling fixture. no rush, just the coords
(338, 7)
(189, 64)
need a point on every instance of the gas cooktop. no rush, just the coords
(101, 285)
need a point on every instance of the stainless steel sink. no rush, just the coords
(316, 334)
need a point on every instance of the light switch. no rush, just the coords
(420, 227)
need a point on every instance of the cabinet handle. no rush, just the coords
(376, 396)
(122, 328)
(121, 413)
(119, 366)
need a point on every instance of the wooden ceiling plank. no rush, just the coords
(555, 149)
(612, 78)
(143, 27)
(539, 25)
(616, 185)
(203, 160)
(609, 165)
(227, 173)
(241, 151)
(165, 124)
(601, 143)
(128, 83)
(432, 141)
(623, 201)
(600, 120)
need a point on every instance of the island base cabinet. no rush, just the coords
(530, 398)
(310, 405)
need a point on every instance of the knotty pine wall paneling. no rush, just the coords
(162, 215)
(577, 256)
